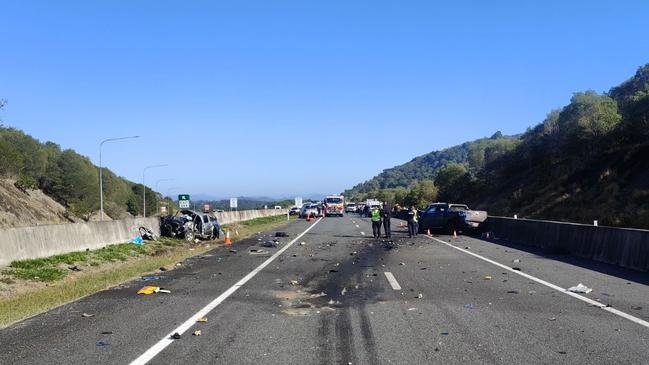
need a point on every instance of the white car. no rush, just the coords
(309, 209)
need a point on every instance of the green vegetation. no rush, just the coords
(67, 177)
(585, 161)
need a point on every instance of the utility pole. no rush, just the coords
(144, 188)
(101, 180)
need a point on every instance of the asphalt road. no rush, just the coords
(329, 301)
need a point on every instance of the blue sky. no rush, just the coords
(291, 97)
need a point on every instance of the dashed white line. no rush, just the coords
(167, 340)
(550, 285)
(357, 226)
(392, 280)
(362, 233)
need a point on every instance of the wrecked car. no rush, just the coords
(451, 217)
(190, 225)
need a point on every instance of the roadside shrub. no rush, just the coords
(25, 183)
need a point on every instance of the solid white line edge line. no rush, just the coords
(167, 340)
(392, 280)
(552, 286)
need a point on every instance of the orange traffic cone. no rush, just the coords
(454, 234)
(227, 237)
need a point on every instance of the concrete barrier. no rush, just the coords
(43, 241)
(245, 215)
(625, 247)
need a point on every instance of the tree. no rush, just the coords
(421, 194)
(452, 180)
(586, 120)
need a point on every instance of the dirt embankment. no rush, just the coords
(31, 208)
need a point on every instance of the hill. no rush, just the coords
(32, 171)
(588, 160)
(473, 155)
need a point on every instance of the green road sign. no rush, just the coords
(183, 197)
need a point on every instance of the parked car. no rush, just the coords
(350, 208)
(294, 211)
(451, 217)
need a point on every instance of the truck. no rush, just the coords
(451, 218)
(334, 205)
(369, 205)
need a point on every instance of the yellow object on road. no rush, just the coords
(147, 290)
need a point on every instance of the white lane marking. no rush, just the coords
(357, 226)
(362, 233)
(552, 286)
(393, 282)
(167, 340)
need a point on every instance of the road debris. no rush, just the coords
(74, 268)
(107, 333)
(412, 309)
(469, 306)
(232, 250)
(294, 282)
(553, 318)
(402, 263)
(202, 320)
(102, 344)
(197, 333)
(444, 333)
(580, 288)
(516, 268)
(270, 244)
(302, 243)
(258, 252)
(162, 269)
(281, 234)
(487, 277)
(516, 260)
(175, 336)
(512, 292)
(148, 290)
(150, 278)
(137, 240)
(420, 296)
(87, 315)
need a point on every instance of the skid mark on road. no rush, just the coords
(167, 340)
(594, 303)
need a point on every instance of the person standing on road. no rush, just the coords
(386, 214)
(375, 215)
(412, 222)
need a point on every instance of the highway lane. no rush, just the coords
(329, 301)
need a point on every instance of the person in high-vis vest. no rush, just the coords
(375, 215)
(413, 220)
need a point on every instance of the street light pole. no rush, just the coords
(157, 203)
(144, 187)
(101, 180)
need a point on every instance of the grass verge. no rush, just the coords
(38, 285)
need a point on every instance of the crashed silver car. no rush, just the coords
(190, 225)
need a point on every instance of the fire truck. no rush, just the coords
(334, 205)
